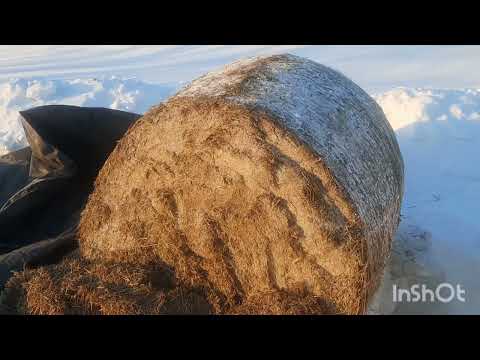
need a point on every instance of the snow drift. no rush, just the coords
(116, 93)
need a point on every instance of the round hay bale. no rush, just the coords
(274, 174)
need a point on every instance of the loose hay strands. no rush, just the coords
(79, 286)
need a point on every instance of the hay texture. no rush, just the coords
(275, 175)
(77, 286)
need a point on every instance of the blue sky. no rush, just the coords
(376, 68)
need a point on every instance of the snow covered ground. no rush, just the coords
(439, 134)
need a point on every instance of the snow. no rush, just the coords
(112, 92)
(154, 63)
(439, 135)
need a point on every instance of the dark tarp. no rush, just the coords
(43, 188)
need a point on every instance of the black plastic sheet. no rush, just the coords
(44, 187)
